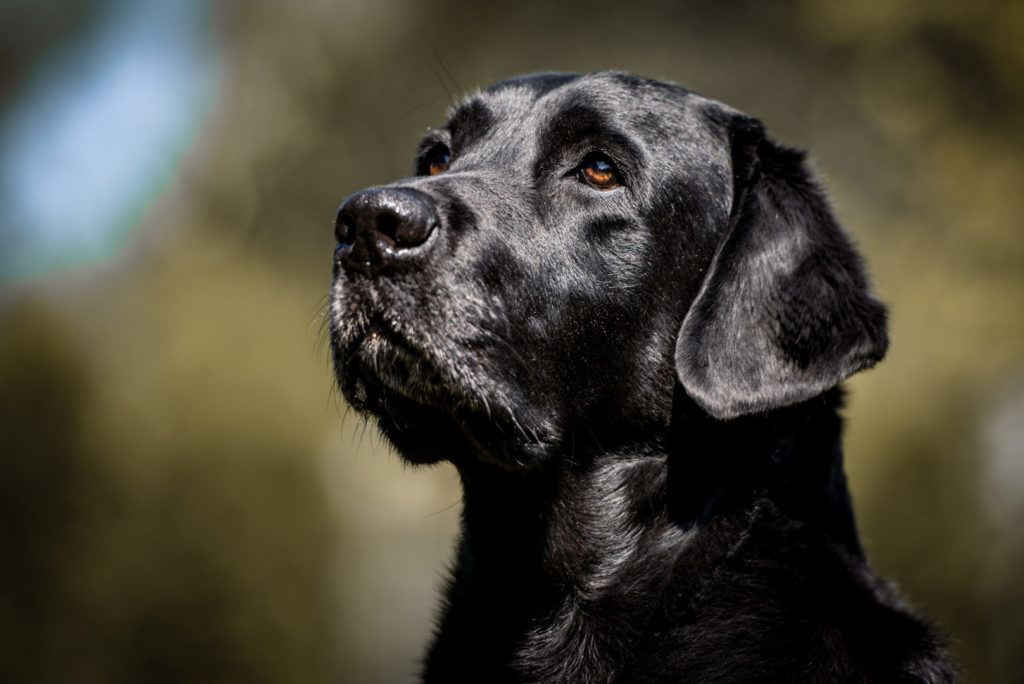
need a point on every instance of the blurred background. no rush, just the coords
(184, 497)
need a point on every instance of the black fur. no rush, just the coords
(638, 387)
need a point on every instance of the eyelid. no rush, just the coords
(591, 157)
(437, 136)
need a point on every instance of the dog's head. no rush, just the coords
(572, 249)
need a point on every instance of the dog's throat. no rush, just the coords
(566, 556)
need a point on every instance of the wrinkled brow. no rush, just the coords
(470, 122)
(579, 123)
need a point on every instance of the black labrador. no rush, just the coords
(622, 313)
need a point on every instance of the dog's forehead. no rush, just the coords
(650, 111)
(608, 91)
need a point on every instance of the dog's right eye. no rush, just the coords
(435, 162)
(598, 172)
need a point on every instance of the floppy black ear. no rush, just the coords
(785, 311)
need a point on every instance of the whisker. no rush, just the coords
(437, 75)
(444, 65)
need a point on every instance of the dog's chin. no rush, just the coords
(427, 417)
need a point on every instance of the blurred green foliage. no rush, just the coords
(182, 497)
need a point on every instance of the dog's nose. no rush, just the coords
(383, 227)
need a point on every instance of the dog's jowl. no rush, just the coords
(622, 313)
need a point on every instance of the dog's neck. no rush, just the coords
(603, 532)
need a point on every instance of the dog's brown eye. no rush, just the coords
(598, 173)
(438, 163)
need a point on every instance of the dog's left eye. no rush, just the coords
(437, 161)
(598, 172)
(439, 164)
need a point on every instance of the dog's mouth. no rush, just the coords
(380, 367)
(421, 409)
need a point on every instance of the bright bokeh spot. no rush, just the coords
(98, 131)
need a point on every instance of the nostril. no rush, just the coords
(387, 227)
(413, 231)
(344, 228)
(403, 230)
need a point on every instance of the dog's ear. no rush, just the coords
(785, 311)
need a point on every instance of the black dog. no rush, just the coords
(622, 313)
